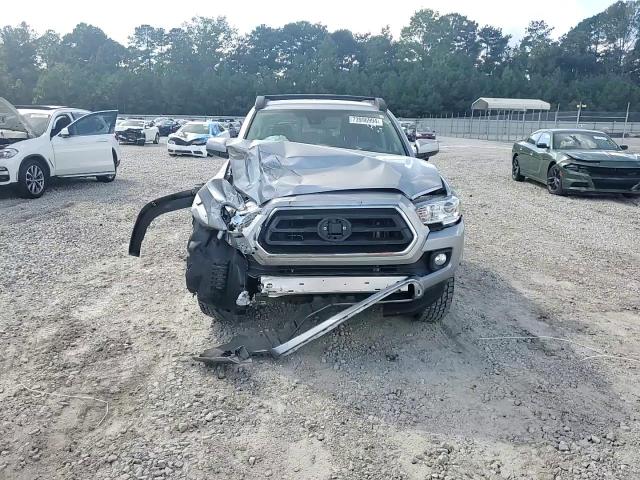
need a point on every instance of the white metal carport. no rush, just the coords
(505, 109)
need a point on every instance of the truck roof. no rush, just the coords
(319, 101)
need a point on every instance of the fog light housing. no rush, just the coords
(439, 259)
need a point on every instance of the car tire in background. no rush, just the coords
(110, 178)
(157, 139)
(515, 169)
(437, 310)
(141, 143)
(33, 178)
(554, 180)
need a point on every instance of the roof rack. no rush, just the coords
(40, 107)
(261, 101)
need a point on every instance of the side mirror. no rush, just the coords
(624, 147)
(426, 148)
(64, 133)
(542, 145)
(218, 146)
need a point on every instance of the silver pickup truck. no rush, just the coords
(322, 196)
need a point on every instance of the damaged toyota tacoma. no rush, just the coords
(322, 197)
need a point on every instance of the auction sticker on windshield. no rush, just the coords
(371, 121)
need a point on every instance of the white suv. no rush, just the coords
(39, 142)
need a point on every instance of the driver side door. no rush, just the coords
(525, 157)
(87, 148)
(541, 157)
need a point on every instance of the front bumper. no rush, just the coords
(5, 175)
(9, 170)
(196, 150)
(130, 137)
(617, 182)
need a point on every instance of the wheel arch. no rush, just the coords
(40, 159)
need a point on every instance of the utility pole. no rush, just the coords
(626, 119)
(580, 107)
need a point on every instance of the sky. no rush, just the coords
(118, 18)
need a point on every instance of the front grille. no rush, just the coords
(620, 172)
(180, 141)
(615, 184)
(329, 231)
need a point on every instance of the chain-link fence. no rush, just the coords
(513, 125)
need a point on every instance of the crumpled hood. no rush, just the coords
(601, 155)
(188, 137)
(122, 128)
(263, 170)
(11, 120)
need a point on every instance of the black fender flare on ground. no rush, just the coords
(155, 208)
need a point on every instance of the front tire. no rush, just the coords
(32, 179)
(156, 140)
(142, 142)
(554, 181)
(437, 310)
(515, 170)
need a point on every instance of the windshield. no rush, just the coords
(583, 141)
(198, 128)
(352, 129)
(38, 121)
(133, 123)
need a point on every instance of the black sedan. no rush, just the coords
(166, 126)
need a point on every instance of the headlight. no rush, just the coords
(576, 168)
(171, 141)
(445, 211)
(8, 152)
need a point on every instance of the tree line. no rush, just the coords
(439, 63)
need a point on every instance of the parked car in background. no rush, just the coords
(191, 138)
(234, 128)
(574, 161)
(166, 126)
(409, 129)
(137, 132)
(425, 133)
(39, 142)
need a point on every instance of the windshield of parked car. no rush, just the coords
(199, 128)
(133, 123)
(352, 129)
(583, 141)
(38, 121)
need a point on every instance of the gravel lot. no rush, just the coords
(380, 398)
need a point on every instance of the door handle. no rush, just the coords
(102, 141)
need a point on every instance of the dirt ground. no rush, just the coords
(380, 398)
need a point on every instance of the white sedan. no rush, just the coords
(137, 132)
(192, 138)
(40, 142)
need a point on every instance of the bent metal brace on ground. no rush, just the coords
(277, 344)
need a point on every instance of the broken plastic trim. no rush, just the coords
(241, 348)
(155, 208)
